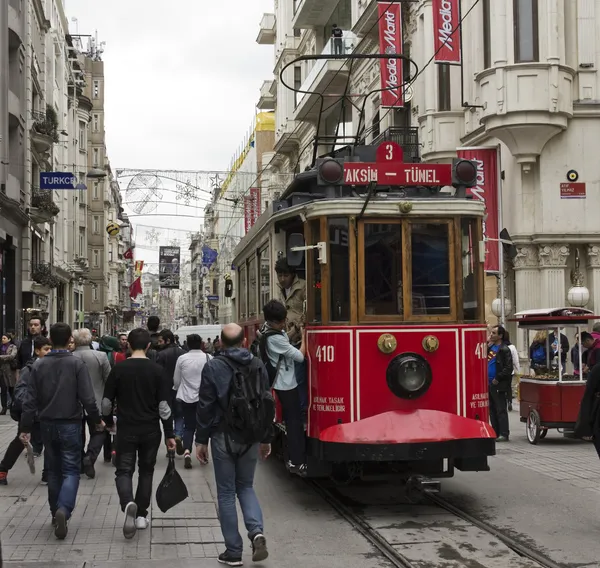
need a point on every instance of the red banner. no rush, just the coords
(254, 204)
(247, 213)
(390, 42)
(487, 191)
(446, 19)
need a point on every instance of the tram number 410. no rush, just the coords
(481, 350)
(325, 353)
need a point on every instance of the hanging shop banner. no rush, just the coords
(390, 42)
(169, 259)
(247, 213)
(446, 20)
(254, 204)
(139, 266)
(487, 191)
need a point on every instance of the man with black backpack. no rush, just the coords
(236, 412)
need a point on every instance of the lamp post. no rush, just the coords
(578, 295)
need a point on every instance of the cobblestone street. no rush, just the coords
(189, 534)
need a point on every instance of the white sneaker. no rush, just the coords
(129, 524)
(142, 523)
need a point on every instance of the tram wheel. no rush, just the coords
(533, 427)
(543, 433)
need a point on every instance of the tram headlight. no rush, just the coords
(409, 376)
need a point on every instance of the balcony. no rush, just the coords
(366, 21)
(440, 134)
(328, 77)
(14, 104)
(407, 137)
(267, 96)
(266, 33)
(43, 274)
(287, 139)
(15, 22)
(43, 209)
(526, 105)
(309, 14)
(44, 131)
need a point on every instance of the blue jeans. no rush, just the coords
(177, 416)
(62, 442)
(234, 475)
(189, 420)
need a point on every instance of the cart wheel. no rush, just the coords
(543, 433)
(533, 427)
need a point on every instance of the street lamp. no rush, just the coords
(578, 295)
(497, 307)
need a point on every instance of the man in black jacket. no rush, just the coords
(59, 386)
(500, 367)
(234, 463)
(167, 359)
(26, 349)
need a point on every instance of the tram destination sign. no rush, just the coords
(397, 173)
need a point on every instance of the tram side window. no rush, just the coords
(314, 292)
(243, 291)
(383, 269)
(340, 269)
(252, 288)
(430, 269)
(265, 277)
(470, 255)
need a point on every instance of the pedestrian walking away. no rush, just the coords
(588, 422)
(236, 412)
(98, 367)
(186, 381)
(143, 395)
(59, 386)
(42, 347)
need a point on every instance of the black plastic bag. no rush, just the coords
(171, 490)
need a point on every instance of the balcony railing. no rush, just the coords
(42, 274)
(43, 200)
(334, 46)
(407, 137)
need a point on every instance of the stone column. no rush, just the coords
(593, 264)
(553, 261)
(527, 284)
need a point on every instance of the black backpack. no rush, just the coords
(18, 397)
(259, 349)
(251, 408)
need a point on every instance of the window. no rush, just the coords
(383, 269)
(470, 259)
(265, 277)
(96, 157)
(96, 194)
(243, 291)
(96, 93)
(297, 82)
(82, 141)
(297, 32)
(96, 258)
(96, 123)
(430, 268)
(82, 251)
(525, 14)
(487, 35)
(314, 287)
(443, 87)
(94, 293)
(110, 254)
(339, 262)
(252, 288)
(96, 224)
(375, 126)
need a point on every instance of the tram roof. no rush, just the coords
(379, 206)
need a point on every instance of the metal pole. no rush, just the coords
(500, 246)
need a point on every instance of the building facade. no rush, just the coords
(528, 83)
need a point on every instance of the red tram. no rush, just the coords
(397, 351)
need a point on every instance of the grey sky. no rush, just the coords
(182, 77)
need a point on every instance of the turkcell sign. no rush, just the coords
(57, 180)
(446, 31)
(363, 173)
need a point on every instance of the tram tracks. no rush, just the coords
(445, 549)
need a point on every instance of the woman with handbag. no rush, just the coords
(8, 370)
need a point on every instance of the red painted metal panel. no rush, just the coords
(475, 401)
(406, 427)
(373, 393)
(541, 396)
(570, 400)
(331, 378)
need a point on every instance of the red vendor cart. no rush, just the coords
(549, 398)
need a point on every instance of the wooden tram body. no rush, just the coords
(401, 291)
(551, 399)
